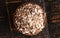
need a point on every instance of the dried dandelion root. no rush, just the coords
(29, 19)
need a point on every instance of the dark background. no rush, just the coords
(7, 8)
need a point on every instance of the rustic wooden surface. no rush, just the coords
(53, 16)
